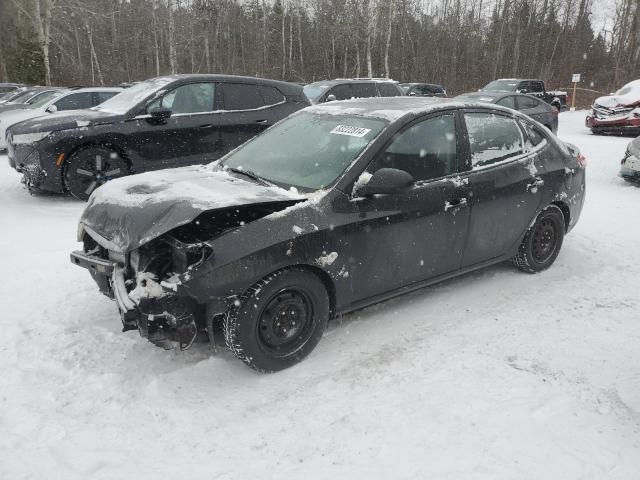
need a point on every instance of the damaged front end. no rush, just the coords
(150, 284)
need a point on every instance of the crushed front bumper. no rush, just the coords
(630, 167)
(613, 123)
(162, 319)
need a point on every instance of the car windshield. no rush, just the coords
(124, 101)
(307, 151)
(630, 88)
(476, 98)
(314, 91)
(502, 85)
(42, 98)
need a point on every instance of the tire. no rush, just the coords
(254, 328)
(91, 167)
(542, 242)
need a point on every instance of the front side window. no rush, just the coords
(525, 102)
(307, 151)
(388, 90)
(537, 87)
(426, 150)
(190, 98)
(364, 90)
(104, 96)
(492, 138)
(242, 96)
(341, 92)
(75, 101)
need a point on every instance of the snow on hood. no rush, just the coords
(129, 212)
(64, 120)
(629, 98)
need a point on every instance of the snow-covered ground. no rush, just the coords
(495, 375)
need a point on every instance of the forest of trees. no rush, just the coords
(462, 44)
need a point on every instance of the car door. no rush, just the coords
(247, 110)
(418, 234)
(189, 136)
(503, 181)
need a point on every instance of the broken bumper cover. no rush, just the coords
(162, 319)
(618, 123)
(630, 167)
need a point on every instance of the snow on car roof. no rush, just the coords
(391, 108)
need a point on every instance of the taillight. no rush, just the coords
(582, 160)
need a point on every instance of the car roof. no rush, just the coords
(394, 108)
(284, 87)
(339, 81)
(422, 83)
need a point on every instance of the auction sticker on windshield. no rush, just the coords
(350, 131)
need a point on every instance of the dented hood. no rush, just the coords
(126, 213)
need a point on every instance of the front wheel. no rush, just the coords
(541, 245)
(91, 167)
(278, 321)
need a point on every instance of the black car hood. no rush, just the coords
(53, 122)
(126, 213)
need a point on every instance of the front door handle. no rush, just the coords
(262, 122)
(206, 125)
(532, 187)
(456, 204)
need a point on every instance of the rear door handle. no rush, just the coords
(206, 125)
(262, 122)
(457, 204)
(532, 187)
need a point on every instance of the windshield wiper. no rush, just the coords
(250, 174)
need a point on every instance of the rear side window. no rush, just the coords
(341, 92)
(75, 101)
(242, 96)
(426, 150)
(271, 95)
(533, 137)
(364, 90)
(492, 138)
(527, 102)
(507, 102)
(388, 90)
(104, 96)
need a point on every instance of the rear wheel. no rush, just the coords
(541, 245)
(91, 167)
(278, 321)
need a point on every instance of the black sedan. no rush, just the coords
(337, 207)
(535, 108)
(164, 122)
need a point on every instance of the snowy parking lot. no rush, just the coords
(494, 375)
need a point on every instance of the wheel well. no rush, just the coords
(325, 279)
(108, 145)
(566, 213)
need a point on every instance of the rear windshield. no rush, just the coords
(502, 85)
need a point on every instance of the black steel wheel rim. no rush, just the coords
(286, 322)
(95, 170)
(544, 240)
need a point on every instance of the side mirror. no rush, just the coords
(51, 109)
(160, 114)
(523, 90)
(412, 94)
(331, 97)
(385, 181)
